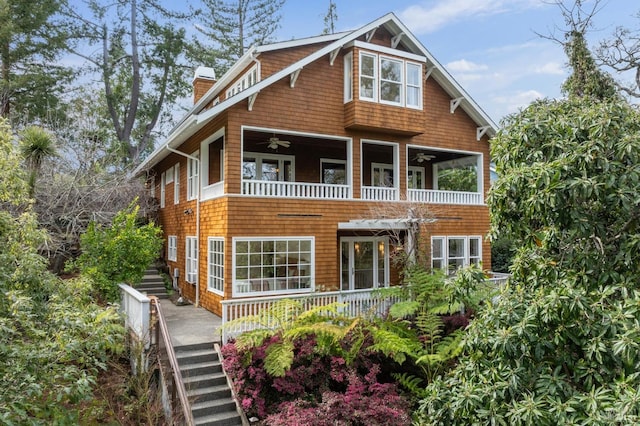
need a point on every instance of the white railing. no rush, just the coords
(357, 303)
(434, 196)
(135, 308)
(213, 191)
(295, 189)
(498, 278)
(379, 193)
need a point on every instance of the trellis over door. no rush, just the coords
(364, 262)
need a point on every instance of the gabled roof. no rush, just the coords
(198, 117)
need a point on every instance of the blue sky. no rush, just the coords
(489, 46)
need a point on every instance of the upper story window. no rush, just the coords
(192, 176)
(247, 80)
(390, 81)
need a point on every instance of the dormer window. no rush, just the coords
(390, 81)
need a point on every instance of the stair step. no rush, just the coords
(211, 381)
(152, 278)
(201, 408)
(196, 357)
(212, 384)
(194, 347)
(207, 367)
(220, 419)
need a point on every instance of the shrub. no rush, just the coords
(119, 253)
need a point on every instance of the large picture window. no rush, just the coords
(191, 266)
(452, 253)
(273, 265)
(390, 80)
(215, 271)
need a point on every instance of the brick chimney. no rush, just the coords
(203, 80)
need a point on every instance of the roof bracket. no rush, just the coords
(294, 77)
(252, 100)
(455, 103)
(395, 40)
(370, 34)
(480, 131)
(333, 55)
(429, 71)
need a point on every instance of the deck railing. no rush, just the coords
(135, 307)
(379, 193)
(433, 196)
(215, 190)
(295, 190)
(356, 302)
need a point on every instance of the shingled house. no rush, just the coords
(264, 184)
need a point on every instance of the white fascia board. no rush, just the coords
(301, 42)
(387, 51)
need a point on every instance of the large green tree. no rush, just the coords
(138, 50)
(561, 343)
(31, 42)
(231, 27)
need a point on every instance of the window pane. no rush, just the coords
(413, 74)
(367, 65)
(474, 247)
(249, 168)
(391, 70)
(436, 248)
(366, 88)
(390, 92)
(456, 247)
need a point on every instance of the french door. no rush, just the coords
(364, 262)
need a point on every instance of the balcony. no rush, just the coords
(432, 196)
(262, 188)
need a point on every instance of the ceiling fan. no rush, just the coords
(421, 156)
(274, 142)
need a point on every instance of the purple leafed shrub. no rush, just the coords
(316, 388)
(365, 402)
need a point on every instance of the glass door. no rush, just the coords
(364, 262)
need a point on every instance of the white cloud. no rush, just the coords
(553, 68)
(428, 17)
(517, 100)
(462, 65)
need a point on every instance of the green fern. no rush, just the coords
(279, 357)
(411, 383)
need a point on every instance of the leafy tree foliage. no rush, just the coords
(560, 345)
(31, 41)
(36, 144)
(119, 253)
(231, 27)
(53, 337)
(330, 19)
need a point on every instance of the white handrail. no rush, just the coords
(379, 193)
(295, 189)
(434, 196)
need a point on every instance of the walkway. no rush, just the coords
(189, 325)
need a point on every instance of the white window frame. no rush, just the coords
(280, 158)
(467, 259)
(413, 86)
(163, 184)
(193, 174)
(172, 248)
(405, 64)
(381, 168)
(324, 161)
(412, 171)
(373, 78)
(176, 184)
(252, 286)
(400, 83)
(215, 265)
(191, 259)
(348, 77)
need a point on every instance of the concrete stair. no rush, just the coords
(211, 401)
(152, 284)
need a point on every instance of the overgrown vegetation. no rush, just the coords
(119, 253)
(54, 340)
(305, 367)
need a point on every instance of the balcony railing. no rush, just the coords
(295, 190)
(379, 193)
(213, 191)
(357, 302)
(433, 196)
